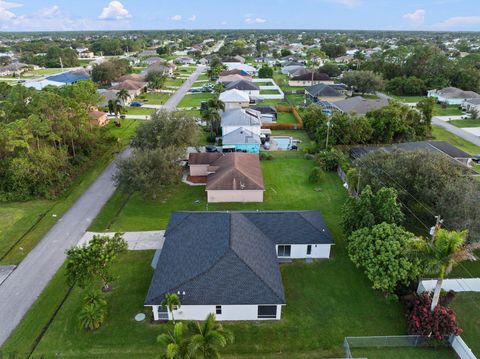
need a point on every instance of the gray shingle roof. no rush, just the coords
(241, 136)
(360, 105)
(241, 117)
(323, 90)
(242, 85)
(229, 257)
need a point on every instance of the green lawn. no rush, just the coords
(286, 117)
(443, 135)
(269, 92)
(203, 77)
(296, 100)
(467, 308)
(440, 352)
(153, 98)
(174, 82)
(408, 99)
(139, 111)
(22, 225)
(438, 110)
(466, 123)
(194, 100)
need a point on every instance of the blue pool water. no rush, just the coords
(284, 143)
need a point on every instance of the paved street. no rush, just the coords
(23, 286)
(456, 131)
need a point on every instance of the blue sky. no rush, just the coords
(26, 15)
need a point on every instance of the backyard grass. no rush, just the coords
(296, 100)
(194, 100)
(407, 99)
(440, 352)
(440, 134)
(438, 110)
(269, 92)
(153, 98)
(286, 117)
(22, 225)
(467, 308)
(466, 123)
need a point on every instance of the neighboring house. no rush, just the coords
(246, 86)
(184, 60)
(266, 60)
(246, 118)
(268, 113)
(41, 84)
(14, 68)
(98, 117)
(290, 69)
(242, 140)
(131, 77)
(70, 77)
(359, 105)
(232, 78)
(147, 53)
(234, 99)
(472, 105)
(226, 263)
(165, 68)
(344, 59)
(236, 58)
(152, 60)
(86, 54)
(234, 72)
(452, 95)
(451, 152)
(134, 88)
(242, 67)
(108, 95)
(323, 92)
(305, 77)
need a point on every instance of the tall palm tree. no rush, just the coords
(123, 96)
(442, 253)
(208, 338)
(174, 343)
(213, 118)
(171, 301)
(216, 103)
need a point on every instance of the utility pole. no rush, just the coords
(61, 62)
(328, 133)
(436, 227)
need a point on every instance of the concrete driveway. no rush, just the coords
(137, 241)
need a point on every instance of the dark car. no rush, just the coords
(136, 104)
(196, 90)
(476, 159)
(211, 148)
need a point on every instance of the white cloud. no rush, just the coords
(223, 23)
(457, 22)
(192, 18)
(48, 12)
(416, 17)
(176, 18)
(347, 3)
(255, 20)
(114, 11)
(5, 7)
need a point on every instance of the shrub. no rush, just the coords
(316, 175)
(266, 156)
(329, 160)
(440, 323)
(308, 156)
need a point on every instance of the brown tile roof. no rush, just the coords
(95, 115)
(204, 158)
(129, 85)
(236, 171)
(132, 77)
(234, 72)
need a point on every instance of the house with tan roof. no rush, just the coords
(452, 95)
(229, 177)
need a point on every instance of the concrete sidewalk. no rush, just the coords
(137, 241)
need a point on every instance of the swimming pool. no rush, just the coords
(282, 143)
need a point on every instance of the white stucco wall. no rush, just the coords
(242, 196)
(229, 312)
(255, 129)
(299, 251)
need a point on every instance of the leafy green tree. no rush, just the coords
(174, 343)
(369, 209)
(265, 72)
(313, 118)
(93, 261)
(442, 253)
(213, 119)
(331, 69)
(156, 79)
(123, 96)
(383, 253)
(208, 338)
(172, 302)
(363, 81)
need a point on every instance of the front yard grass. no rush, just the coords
(139, 111)
(23, 224)
(194, 100)
(438, 110)
(153, 98)
(465, 123)
(177, 82)
(440, 134)
(408, 99)
(467, 308)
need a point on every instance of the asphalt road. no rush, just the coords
(457, 131)
(20, 290)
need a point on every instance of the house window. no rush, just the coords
(267, 311)
(309, 249)
(218, 309)
(284, 250)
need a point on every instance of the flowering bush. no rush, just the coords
(440, 323)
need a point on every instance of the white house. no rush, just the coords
(247, 118)
(226, 263)
(234, 99)
(452, 95)
(472, 105)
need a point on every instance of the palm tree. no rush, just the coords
(115, 107)
(213, 118)
(443, 252)
(123, 96)
(207, 338)
(92, 315)
(216, 104)
(174, 344)
(171, 301)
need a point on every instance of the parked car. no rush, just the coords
(476, 159)
(211, 148)
(136, 104)
(196, 90)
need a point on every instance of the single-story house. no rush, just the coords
(242, 140)
(243, 67)
(323, 92)
(184, 60)
(359, 105)
(14, 68)
(108, 95)
(86, 54)
(234, 72)
(246, 86)
(247, 118)
(452, 95)
(290, 69)
(70, 77)
(232, 78)
(267, 60)
(451, 152)
(472, 104)
(234, 99)
(226, 263)
(41, 84)
(98, 117)
(134, 88)
(236, 58)
(165, 68)
(131, 77)
(267, 113)
(304, 77)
